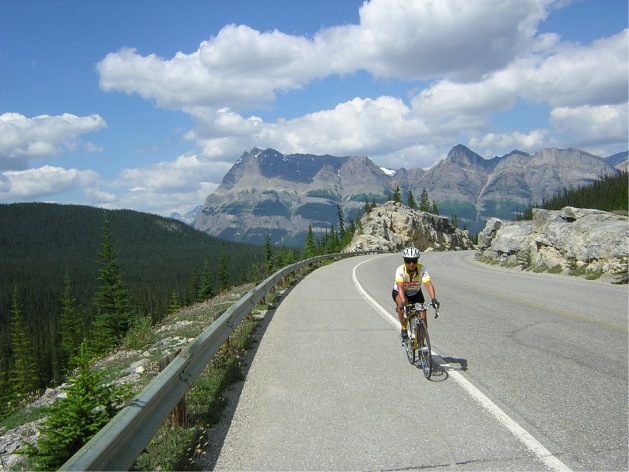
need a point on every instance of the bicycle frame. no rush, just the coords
(418, 341)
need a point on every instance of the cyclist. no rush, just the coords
(407, 289)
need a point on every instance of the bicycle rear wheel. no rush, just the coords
(410, 344)
(424, 352)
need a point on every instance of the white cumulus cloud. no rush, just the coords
(242, 68)
(23, 138)
(592, 124)
(45, 181)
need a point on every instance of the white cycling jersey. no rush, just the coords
(411, 285)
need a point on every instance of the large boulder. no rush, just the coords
(393, 226)
(576, 241)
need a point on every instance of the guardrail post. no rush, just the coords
(178, 415)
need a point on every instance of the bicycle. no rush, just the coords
(417, 343)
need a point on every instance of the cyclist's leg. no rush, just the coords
(419, 298)
(399, 308)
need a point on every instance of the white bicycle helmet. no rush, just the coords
(410, 253)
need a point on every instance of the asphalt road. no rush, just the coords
(532, 375)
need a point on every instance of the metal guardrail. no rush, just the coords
(122, 440)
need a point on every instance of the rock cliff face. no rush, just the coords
(574, 241)
(268, 193)
(394, 226)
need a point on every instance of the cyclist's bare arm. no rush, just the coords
(431, 289)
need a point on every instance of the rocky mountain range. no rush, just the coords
(267, 193)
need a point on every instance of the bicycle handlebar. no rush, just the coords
(421, 307)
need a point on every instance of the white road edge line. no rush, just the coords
(543, 454)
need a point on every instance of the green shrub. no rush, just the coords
(140, 333)
(541, 268)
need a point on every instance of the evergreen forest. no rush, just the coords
(71, 274)
(63, 266)
(606, 194)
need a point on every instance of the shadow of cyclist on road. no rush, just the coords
(442, 365)
(461, 364)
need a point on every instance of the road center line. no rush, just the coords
(543, 454)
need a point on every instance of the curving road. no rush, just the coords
(533, 375)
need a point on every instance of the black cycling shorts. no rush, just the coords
(417, 298)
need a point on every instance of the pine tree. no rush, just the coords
(309, 249)
(339, 215)
(424, 202)
(175, 306)
(70, 325)
(112, 298)
(206, 286)
(397, 195)
(254, 273)
(410, 201)
(268, 254)
(288, 257)
(367, 206)
(22, 374)
(223, 273)
(5, 398)
(351, 230)
(89, 405)
(192, 294)
(331, 241)
(434, 210)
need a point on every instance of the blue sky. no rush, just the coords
(146, 104)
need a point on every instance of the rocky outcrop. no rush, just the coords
(12, 443)
(573, 241)
(393, 226)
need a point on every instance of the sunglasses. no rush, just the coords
(410, 261)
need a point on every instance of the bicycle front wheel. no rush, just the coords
(424, 352)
